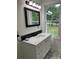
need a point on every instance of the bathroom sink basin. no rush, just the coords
(40, 35)
(37, 39)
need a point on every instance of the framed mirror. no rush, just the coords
(32, 17)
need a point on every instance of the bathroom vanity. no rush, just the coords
(36, 47)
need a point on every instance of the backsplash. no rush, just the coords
(31, 34)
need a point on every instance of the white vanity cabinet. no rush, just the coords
(38, 48)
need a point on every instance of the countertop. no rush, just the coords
(37, 39)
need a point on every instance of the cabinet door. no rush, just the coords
(43, 48)
(29, 51)
(39, 50)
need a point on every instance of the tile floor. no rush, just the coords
(52, 55)
(55, 52)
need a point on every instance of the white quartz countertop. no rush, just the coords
(37, 39)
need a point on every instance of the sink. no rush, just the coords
(40, 35)
(36, 39)
(29, 39)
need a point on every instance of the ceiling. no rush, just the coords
(51, 1)
(47, 1)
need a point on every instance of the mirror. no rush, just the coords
(32, 17)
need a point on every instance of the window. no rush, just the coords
(53, 16)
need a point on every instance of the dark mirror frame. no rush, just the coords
(26, 20)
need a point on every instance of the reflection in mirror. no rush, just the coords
(32, 17)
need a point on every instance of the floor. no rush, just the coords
(51, 55)
(55, 52)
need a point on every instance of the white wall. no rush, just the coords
(43, 20)
(21, 28)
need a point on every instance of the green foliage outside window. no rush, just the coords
(55, 14)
